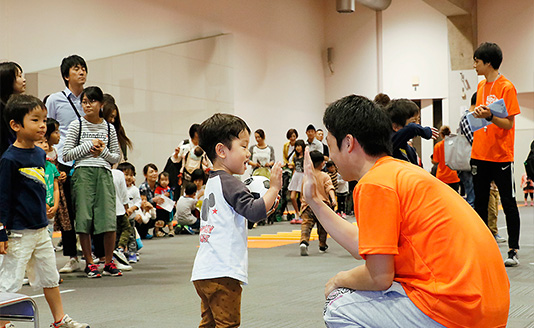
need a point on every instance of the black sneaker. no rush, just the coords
(323, 249)
(512, 260)
(110, 269)
(92, 271)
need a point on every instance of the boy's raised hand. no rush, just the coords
(276, 176)
(309, 184)
(435, 133)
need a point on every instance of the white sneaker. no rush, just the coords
(9, 325)
(72, 265)
(119, 255)
(123, 267)
(67, 322)
(303, 249)
(512, 259)
(499, 239)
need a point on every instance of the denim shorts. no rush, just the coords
(387, 308)
(29, 251)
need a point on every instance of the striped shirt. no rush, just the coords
(80, 150)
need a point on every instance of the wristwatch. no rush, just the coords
(489, 118)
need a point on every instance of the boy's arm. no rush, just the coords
(52, 211)
(6, 192)
(344, 232)
(333, 199)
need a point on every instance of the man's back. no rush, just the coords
(446, 258)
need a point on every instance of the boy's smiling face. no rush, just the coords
(234, 160)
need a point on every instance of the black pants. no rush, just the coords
(68, 237)
(503, 174)
(341, 202)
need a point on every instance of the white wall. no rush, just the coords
(278, 73)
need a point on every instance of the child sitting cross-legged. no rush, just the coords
(327, 192)
(185, 207)
(24, 241)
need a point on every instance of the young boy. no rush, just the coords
(185, 207)
(133, 212)
(51, 179)
(27, 246)
(405, 117)
(221, 263)
(326, 191)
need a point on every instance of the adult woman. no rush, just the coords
(110, 112)
(11, 82)
(261, 155)
(288, 153)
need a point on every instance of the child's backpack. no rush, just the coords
(457, 153)
(529, 162)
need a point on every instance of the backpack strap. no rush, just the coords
(72, 104)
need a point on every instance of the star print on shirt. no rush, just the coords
(214, 211)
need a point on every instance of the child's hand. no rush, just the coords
(276, 176)
(3, 247)
(62, 177)
(435, 133)
(168, 194)
(138, 218)
(158, 200)
(51, 212)
(309, 184)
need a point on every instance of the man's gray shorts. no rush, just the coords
(388, 308)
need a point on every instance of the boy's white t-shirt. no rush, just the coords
(134, 198)
(121, 192)
(223, 228)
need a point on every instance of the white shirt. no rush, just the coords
(121, 192)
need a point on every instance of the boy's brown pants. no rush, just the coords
(308, 220)
(221, 302)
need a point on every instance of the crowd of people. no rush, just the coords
(74, 146)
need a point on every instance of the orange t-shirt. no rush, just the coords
(493, 143)
(444, 173)
(445, 257)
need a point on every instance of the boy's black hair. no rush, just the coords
(317, 158)
(330, 164)
(198, 174)
(125, 166)
(400, 110)
(8, 76)
(220, 128)
(382, 99)
(19, 106)
(198, 151)
(489, 52)
(193, 129)
(93, 93)
(310, 127)
(261, 133)
(51, 126)
(364, 120)
(67, 63)
(474, 99)
(290, 133)
(301, 143)
(149, 165)
(190, 188)
(163, 174)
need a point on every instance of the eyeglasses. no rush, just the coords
(88, 102)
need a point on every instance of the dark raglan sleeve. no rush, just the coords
(408, 132)
(6, 189)
(239, 197)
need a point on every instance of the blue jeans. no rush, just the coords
(467, 180)
(387, 308)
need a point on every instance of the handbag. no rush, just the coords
(458, 153)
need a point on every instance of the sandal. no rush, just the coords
(160, 234)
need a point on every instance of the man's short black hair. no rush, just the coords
(489, 52)
(125, 166)
(400, 110)
(474, 99)
(310, 127)
(67, 63)
(317, 158)
(193, 129)
(364, 120)
(190, 188)
(19, 106)
(220, 128)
